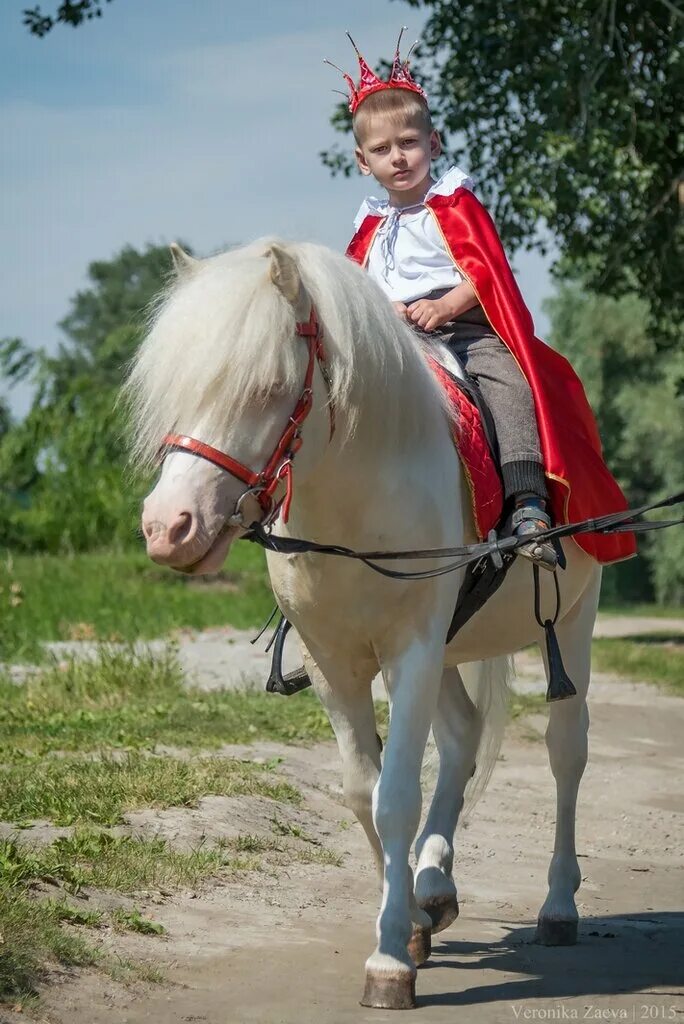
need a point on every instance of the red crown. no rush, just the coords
(369, 82)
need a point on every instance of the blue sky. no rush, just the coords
(169, 119)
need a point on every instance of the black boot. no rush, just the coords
(529, 517)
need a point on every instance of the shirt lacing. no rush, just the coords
(389, 236)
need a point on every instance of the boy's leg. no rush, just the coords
(511, 403)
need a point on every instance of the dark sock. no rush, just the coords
(523, 477)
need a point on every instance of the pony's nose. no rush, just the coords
(164, 542)
(181, 528)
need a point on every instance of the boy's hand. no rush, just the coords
(401, 309)
(429, 314)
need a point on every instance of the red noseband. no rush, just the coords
(279, 467)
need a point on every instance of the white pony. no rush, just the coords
(223, 363)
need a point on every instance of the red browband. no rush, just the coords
(279, 466)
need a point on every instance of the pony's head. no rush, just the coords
(223, 363)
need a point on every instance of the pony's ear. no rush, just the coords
(183, 263)
(285, 273)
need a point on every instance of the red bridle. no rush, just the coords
(279, 467)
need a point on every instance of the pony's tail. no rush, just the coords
(488, 685)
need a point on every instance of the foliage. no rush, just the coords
(63, 481)
(69, 12)
(637, 394)
(567, 114)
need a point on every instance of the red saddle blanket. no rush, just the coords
(484, 482)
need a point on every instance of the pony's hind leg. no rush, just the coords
(456, 727)
(566, 740)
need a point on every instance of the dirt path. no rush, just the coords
(291, 948)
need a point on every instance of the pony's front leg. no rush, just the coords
(412, 681)
(348, 702)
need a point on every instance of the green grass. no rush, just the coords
(69, 790)
(121, 596)
(137, 701)
(133, 921)
(83, 742)
(33, 937)
(37, 932)
(651, 611)
(126, 864)
(527, 704)
(648, 659)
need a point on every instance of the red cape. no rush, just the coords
(579, 482)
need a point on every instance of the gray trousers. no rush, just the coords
(506, 392)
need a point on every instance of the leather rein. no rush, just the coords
(264, 484)
(495, 547)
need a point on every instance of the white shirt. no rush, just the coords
(408, 258)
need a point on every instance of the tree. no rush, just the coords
(69, 12)
(66, 459)
(637, 394)
(567, 112)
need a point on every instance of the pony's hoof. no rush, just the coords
(395, 991)
(552, 932)
(443, 912)
(420, 945)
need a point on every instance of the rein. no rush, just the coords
(279, 466)
(494, 547)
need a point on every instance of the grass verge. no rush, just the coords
(82, 743)
(650, 611)
(69, 790)
(38, 932)
(121, 596)
(137, 701)
(650, 659)
(33, 936)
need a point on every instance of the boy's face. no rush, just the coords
(397, 153)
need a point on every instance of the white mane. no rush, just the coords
(223, 334)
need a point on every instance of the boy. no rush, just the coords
(435, 252)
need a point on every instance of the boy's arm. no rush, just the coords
(429, 314)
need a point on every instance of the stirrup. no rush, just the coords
(292, 682)
(528, 519)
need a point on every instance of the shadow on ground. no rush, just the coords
(614, 955)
